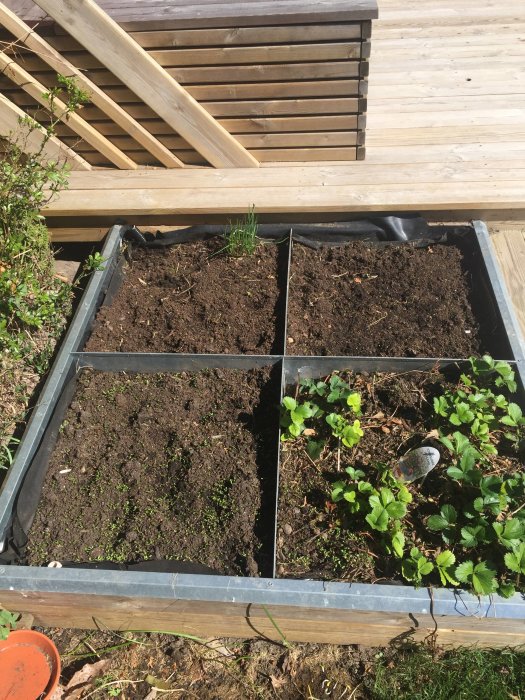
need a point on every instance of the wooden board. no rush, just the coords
(205, 619)
(164, 14)
(31, 142)
(509, 241)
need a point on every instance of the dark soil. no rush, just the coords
(318, 538)
(387, 300)
(163, 466)
(191, 298)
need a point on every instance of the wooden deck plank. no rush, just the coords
(509, 241)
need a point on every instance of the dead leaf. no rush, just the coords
(142, 282)
(396, 421)
(378, 416)
(157, 683)
(152, 695)
(219, 647)
(432, 434)
(309, 432)
(277, 682)
(80, 679)
(357, 280)
(385, 429)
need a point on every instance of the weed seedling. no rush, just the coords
(241, 237)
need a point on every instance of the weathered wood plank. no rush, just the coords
(31, 142)
(239, 620)
(110, 108)
(264, 73)
(317, 177)
(257, 91)
(132, 65)
(342, 122)
(509, 243)
(221, 56)
(363, 198)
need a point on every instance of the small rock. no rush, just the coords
(287, 529)
(280, 570)
(251, 566)
(120, 400)
(291, 341)
(96, 553)
(131, 536)
(75, 406)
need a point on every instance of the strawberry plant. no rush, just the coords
(467, 529)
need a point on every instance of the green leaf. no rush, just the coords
(450, 513)
(456, 473)
(484, 579)
(396, 510)
(352, 434)
(378, 519)
(314, 449)
(354, 401)
(295, 430)
(398, 544)
(472, 535)
(464, 571)
(463, 412)
(337, 491)
(354, 473)
(506, 590)
(445, 559)
(425, 567)
(515, 560)
(289, 403)
(437, 522)
(441, 406)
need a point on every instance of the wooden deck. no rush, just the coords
(445, 136)
(446, 133)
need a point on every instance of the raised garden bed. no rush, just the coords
(256, 597)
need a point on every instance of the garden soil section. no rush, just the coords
(387, 300)
(317, 538)
(193, 298)
(163, 466)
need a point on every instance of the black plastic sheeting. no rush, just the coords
(388, 229)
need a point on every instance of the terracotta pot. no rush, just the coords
(29, 666)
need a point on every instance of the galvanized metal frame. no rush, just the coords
(302, 594)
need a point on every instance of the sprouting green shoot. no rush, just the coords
(241, 237)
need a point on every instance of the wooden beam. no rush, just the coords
(113, 47)
(291, 199)
(297, 624)
(73, 120)
(47, 53)
(10, 126)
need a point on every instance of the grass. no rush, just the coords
(259, 670)
(463, 674)
(241, 237)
